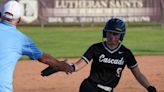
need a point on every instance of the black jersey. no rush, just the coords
(107, 65)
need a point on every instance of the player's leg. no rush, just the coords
(86, 86)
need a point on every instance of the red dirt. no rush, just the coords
(27, 77)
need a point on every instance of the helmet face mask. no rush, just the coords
(115, 25)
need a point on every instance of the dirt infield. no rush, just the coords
(27, 77)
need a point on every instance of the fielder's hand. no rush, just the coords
(66, 67)
(63, 67)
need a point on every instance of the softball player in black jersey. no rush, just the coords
(109, 58)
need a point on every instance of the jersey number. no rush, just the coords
(118, 72)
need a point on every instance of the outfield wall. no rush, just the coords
(91, 11)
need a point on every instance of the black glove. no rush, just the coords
(49, 70)
(151, 89)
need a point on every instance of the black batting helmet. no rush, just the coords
(115, 25)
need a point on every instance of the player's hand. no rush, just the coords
(64, 66)
(52, 70)
(151, 89)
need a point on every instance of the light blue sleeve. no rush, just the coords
(31, 50)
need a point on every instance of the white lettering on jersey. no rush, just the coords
(103, 59)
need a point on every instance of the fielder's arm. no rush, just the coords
(76, 66)
(53, 62)
(49, 60)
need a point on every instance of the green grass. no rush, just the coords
(145, 40)
(74, 41)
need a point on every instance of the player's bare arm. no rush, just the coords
(79, 64)
(142, 79)
(49, 60)
(53, 62)
(74, 67)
